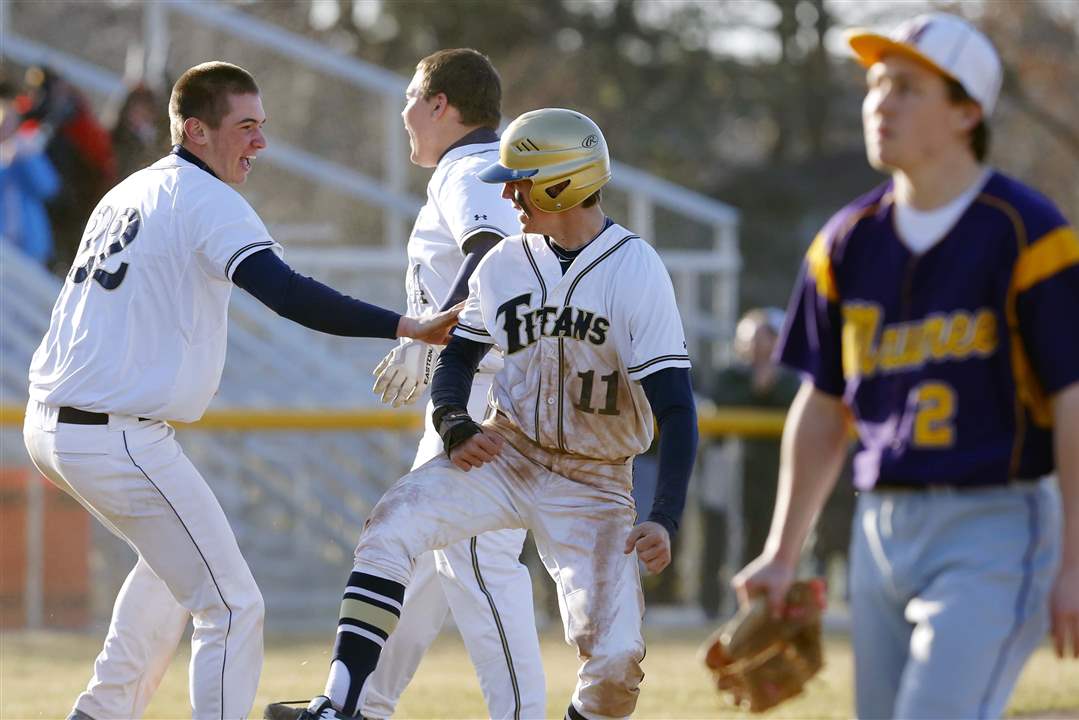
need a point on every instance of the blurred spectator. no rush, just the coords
(756, 380)
(27, 180)
(713, 488)
(140, 130)
(79, 148)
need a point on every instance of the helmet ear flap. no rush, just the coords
(555, 190)
(545, 196)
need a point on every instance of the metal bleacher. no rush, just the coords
(297, 500)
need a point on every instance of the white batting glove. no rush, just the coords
(405, 372)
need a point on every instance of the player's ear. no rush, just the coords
(195, 131)
(970, 114)
(440, 105)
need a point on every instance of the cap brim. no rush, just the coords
(497, 173)
(869, 47)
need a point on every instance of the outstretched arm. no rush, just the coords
(320, 307)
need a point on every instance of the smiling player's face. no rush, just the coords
(231, 148)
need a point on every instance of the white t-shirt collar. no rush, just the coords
(920, 230)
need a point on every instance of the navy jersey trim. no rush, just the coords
(182, 152)
(535, 269)
(479, 136)
(473, 330)
(482, 228)
(594, 263)
(478, 152)
(241, 251)
(543, 301)
(561, 394)
(655, 360)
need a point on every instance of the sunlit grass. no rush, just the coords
(41, 674)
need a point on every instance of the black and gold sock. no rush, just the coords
(369, 612)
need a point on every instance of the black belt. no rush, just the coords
(74, 416)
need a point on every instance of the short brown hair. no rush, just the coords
(203, 92)
(468, 80)
(979, 136)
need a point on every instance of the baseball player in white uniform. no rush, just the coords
(590, 362)
(451, 111)
(137, 338)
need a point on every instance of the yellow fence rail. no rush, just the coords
(741, 421)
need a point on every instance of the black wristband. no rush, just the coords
(454, 427)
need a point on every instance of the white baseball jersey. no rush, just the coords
(140, 325)
(480, 579)
(458, 206)
(577, 345)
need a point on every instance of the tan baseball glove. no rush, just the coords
(759, 661)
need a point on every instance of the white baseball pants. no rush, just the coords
(580, 531)
(134, 477)
(489, 591)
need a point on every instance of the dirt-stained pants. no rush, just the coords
(580, 531)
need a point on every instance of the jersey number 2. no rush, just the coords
(933, 423)
(112, 231)
(610, 406)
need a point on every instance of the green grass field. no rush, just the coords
(41, 673)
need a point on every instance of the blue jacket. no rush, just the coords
(27, 180)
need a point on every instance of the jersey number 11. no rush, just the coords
(610, 407)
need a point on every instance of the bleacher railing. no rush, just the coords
(706, 279)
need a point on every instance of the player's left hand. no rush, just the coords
(405, 372)
(478, 450)
(434, 329)
(1064, 612)
(653, 545)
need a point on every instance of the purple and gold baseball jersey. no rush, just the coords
(946, 359)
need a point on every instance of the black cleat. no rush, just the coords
(283, 710)
(318, 709)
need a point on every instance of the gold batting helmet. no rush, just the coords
(561, 151)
